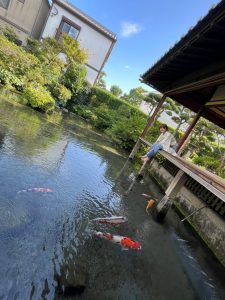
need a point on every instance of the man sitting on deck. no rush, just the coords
(165, 141)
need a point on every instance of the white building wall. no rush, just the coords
(96, 44)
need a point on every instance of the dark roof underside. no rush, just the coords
(199, 55)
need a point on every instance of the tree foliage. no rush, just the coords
(101, 81)
(135, 96)
(74, 77)
(116, 90)
(41, 66)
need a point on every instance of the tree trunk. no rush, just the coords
(222, 164)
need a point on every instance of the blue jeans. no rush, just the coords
(154, 149)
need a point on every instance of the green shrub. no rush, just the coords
(82, 97)
(60, 93)
(209, 163)
(74, 77)
(38, 97)
(14, 59)
(105, 117)
(126, 131)
(100, 96)
(9, 33)
(7, 78)
(84, 112)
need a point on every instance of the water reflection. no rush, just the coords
(47, 248)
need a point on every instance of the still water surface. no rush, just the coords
(47, 246)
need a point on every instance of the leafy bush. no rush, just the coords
(74, 78)
(209, 163)
(60, 93)
(10, 34)
(100, 96)
(126, 131)
(83, 97)
(15, 59)
(105, 117)
(7, 78)
(38, 97)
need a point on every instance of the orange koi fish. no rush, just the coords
(111, 220)
(150, 203)
(36, 190)
(123, 241)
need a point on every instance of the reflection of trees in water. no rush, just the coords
(27, 130)
(98, 143)
(2, 138)
(30, 134)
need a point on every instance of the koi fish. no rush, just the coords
(123, 241)
(111, 220)
(151, 202)
(36, 190)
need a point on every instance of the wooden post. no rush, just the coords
(186, 137)
(148, 125)
(135, 149)
(152, 118)
(174, 187)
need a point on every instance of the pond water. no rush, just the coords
(48, 250)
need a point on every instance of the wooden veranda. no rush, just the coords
(192, 73)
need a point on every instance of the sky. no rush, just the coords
(145, 30)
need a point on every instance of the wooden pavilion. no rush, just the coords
(192, 73)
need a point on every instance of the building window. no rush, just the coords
(68, 27)
(4, 3)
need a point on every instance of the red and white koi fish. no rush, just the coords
(36, 190)
(123, 241)
(111, 220)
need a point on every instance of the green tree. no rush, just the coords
(101, 81)
(203, 137)
(135, 96)
(152, 99)
(48, 50)
(220, 146)
(183, 116)
(74, 53)
(116, 90)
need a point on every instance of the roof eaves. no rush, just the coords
(202, 22)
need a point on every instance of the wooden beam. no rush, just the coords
(216, 103)
(210, 81)
(210, 181)
(184, 140)
(153, 116)
(150, 122)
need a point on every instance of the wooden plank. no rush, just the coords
(211, 182)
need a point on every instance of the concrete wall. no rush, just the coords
(208, 224)
(96, 43)
(23, 17)
(40, 19)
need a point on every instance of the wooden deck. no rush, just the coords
(211, 182)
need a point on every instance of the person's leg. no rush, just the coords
(154, 149)
(144, 157)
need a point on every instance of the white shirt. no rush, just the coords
(167, 140)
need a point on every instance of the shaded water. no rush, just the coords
(47, 248)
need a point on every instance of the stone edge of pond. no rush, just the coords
(162, 184)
